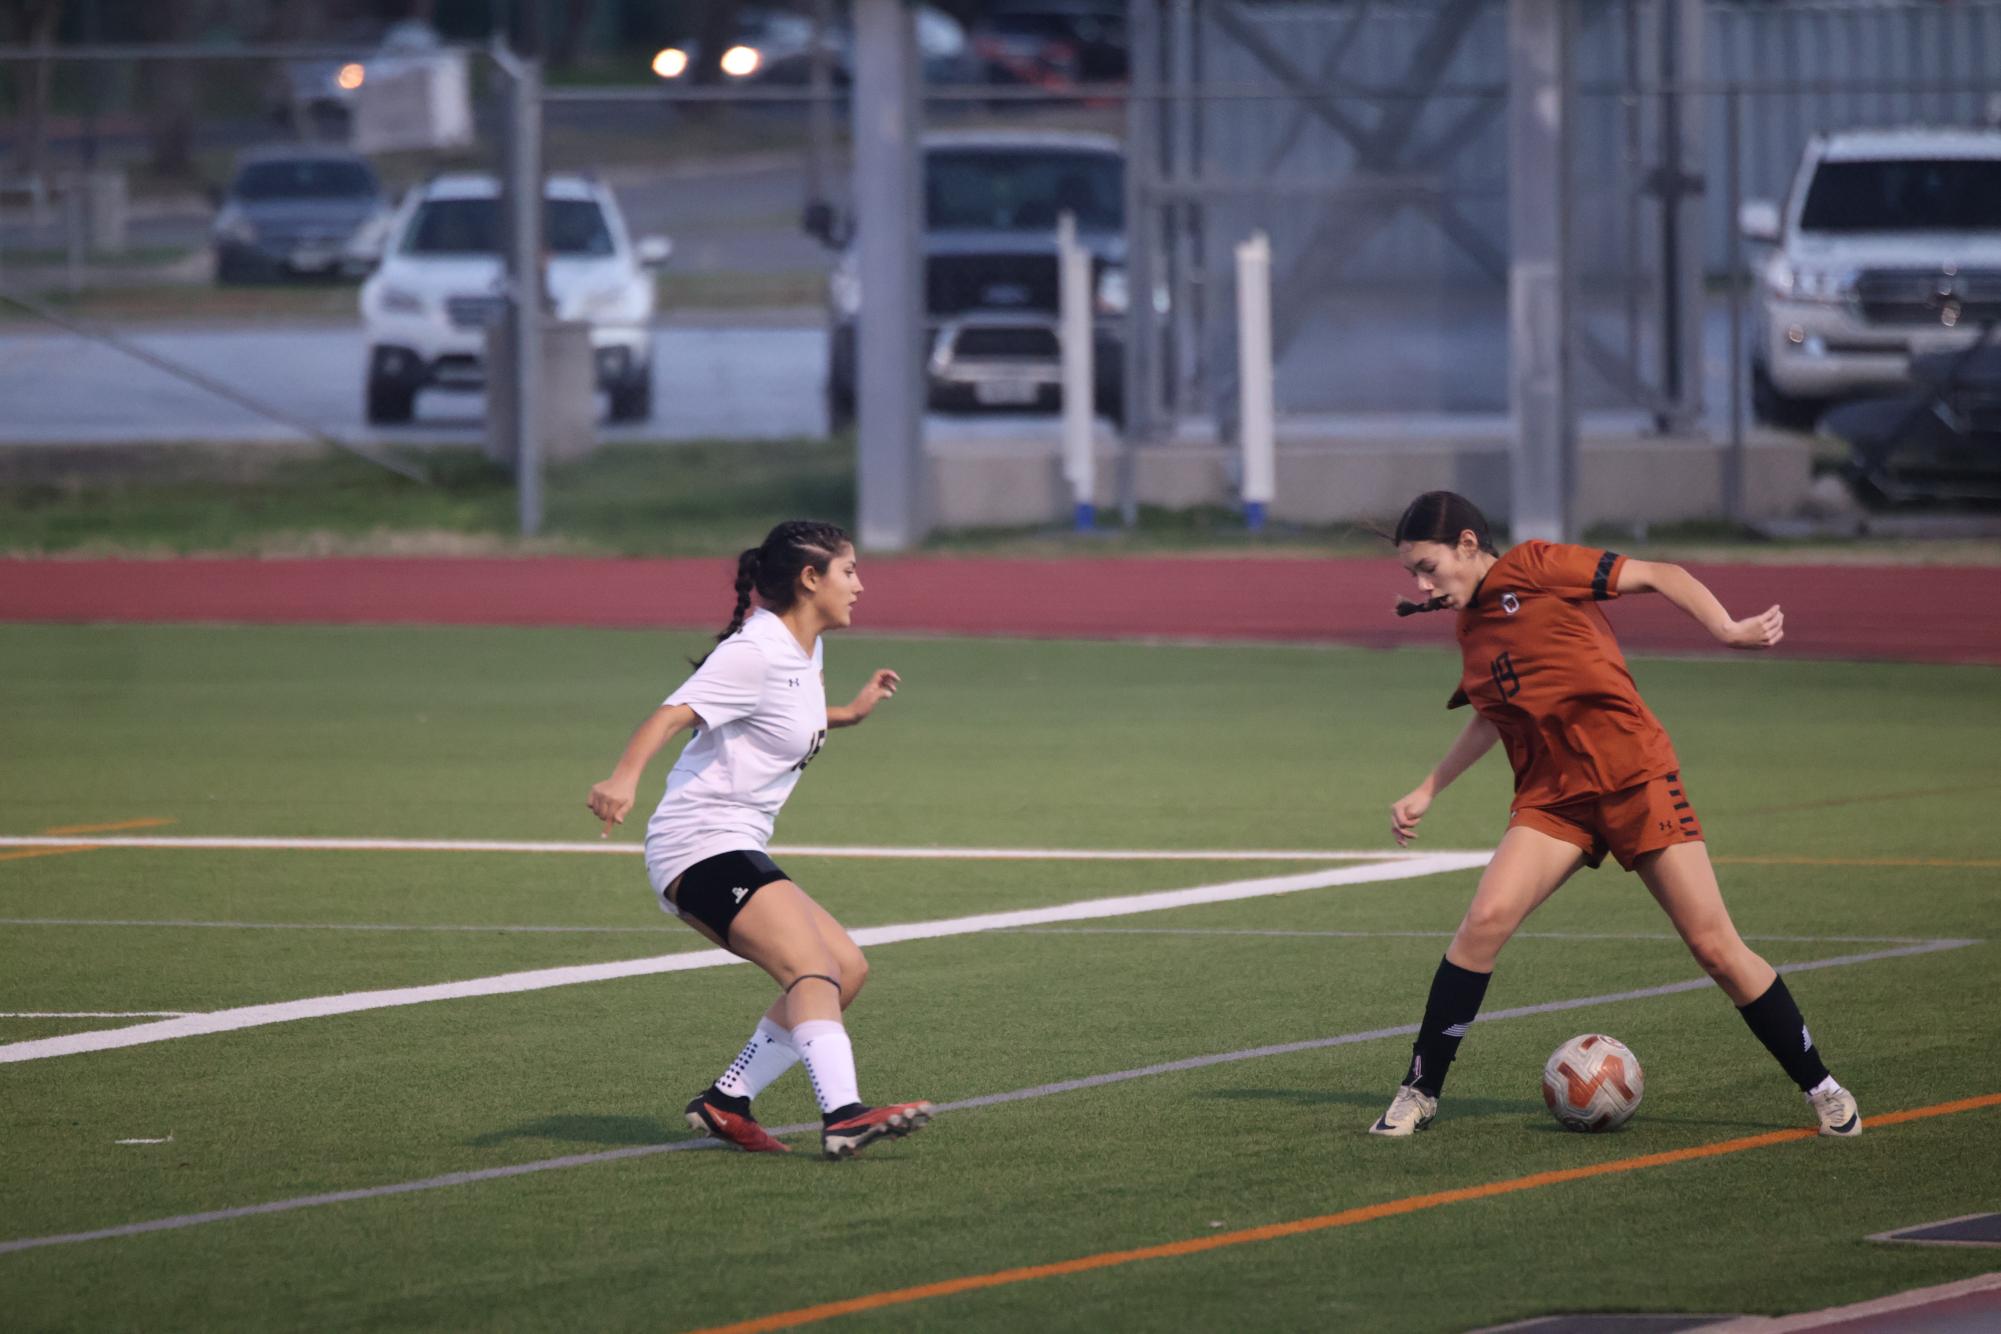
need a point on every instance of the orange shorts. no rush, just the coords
(1628, 824)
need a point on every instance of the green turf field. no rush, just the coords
(1850, 806)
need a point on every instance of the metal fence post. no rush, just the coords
(889, 332)
(1733, 466)
(1254, 378)
(1544, 466)
(521, 189)
(1080, 463)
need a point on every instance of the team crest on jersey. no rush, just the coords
(1510, 603)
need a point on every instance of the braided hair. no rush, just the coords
(771, 570)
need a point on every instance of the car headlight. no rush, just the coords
(397, 301)
(844, 287)
(1112, 295)
(1808, 282)
(232, 225)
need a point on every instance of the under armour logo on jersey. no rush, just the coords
(1510, 603)
(792, 681)
(739, 891)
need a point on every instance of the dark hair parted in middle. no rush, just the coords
(771, 570)
(1440, 516)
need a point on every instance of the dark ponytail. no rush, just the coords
(771, 570)
(746, 580)
(1440, 516)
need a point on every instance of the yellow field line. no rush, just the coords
(1965, 863)
(67, 830)
(62, 831)
(807, 1315)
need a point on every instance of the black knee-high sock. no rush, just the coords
(1449, 1011)
(1776, 1020)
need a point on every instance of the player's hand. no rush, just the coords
(1407, 811)
(1765, 629)
(882, 683)
(610, 801)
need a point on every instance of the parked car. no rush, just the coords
(427, 306)
(298, 213)
(991, 202)
(315, 98)
(776, 47)
(1053, 42)
(1887, 247)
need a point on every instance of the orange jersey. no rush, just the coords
(1542, 665)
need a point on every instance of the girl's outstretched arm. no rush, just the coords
(1693, 597)
(1473, 741)
(882, 683)
(611, 799)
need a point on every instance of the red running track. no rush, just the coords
(1911, 613)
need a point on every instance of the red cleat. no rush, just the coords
(851, 1134)
(735, 1128)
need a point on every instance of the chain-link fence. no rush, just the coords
(308, 242)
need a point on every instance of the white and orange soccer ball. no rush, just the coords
(1592, 1082)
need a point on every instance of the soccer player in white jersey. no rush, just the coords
(758, 704)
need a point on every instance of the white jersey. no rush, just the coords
(763, 706)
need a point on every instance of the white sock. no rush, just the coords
(830, 1062)
(1824, 1086)
(767, 1055)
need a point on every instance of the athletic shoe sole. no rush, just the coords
(899, 1121)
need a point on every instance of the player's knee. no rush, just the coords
(812, 968)
(854, 976)
(1486, 926)
(1719, 953)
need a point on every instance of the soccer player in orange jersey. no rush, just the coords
(1594, 773)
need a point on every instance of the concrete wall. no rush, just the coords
(993, 483)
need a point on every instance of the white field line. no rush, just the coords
(94, 1014)
(668, 929)
(254, 1016)
(601, 847)
(180, 1221)
(1424, 935)
(497, 928)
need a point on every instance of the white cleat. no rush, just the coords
(1410, 1111)
(1835, 1106)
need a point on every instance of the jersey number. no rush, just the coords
(819, 740)
(1505, 680)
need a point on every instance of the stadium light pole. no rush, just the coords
(889, 349)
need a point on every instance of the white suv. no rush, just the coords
(1888, 246)
(425, 310)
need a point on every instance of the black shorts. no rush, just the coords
(714, 890)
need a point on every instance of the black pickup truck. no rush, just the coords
(991, 201)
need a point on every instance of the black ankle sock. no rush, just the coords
(1455, 999)
(729, 1102)
(1776, 1020)
(843, 1113)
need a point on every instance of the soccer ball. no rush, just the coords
(1592, 1082)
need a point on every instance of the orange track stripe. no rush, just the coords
(807, 1315)
(64, 831)
(114, 828)
(22, 854)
